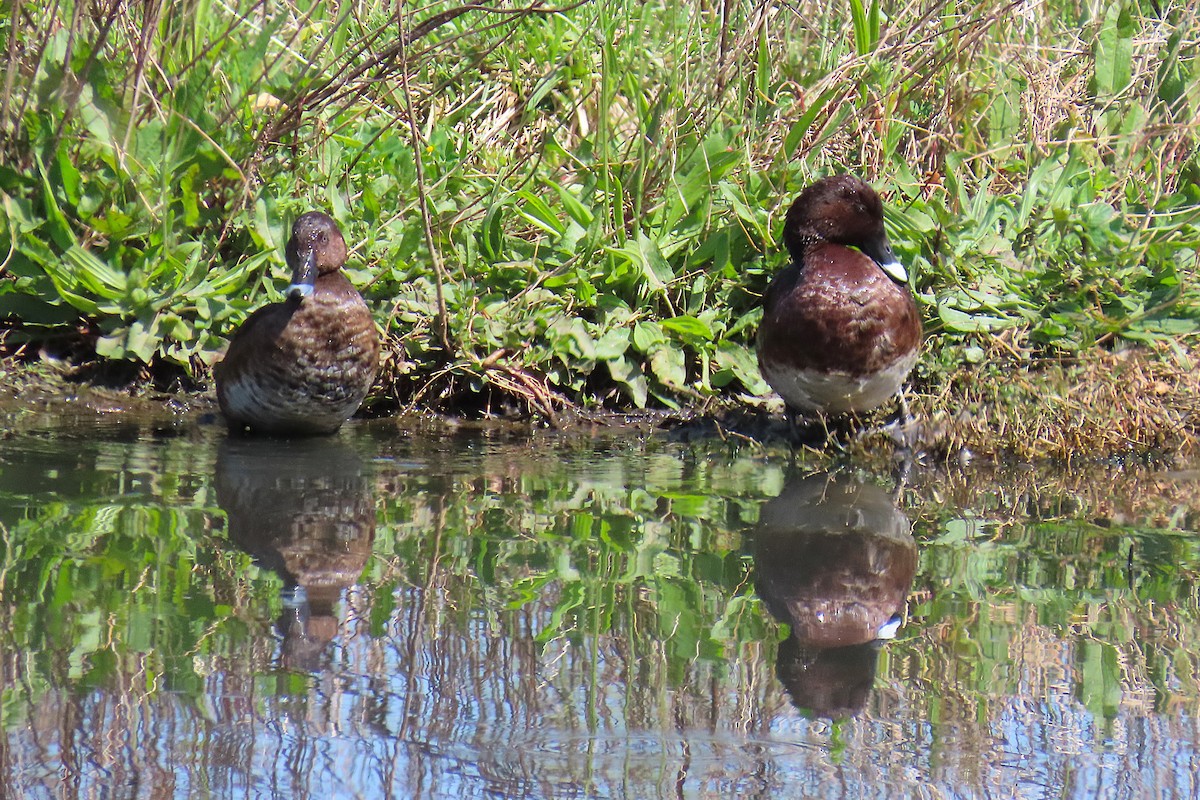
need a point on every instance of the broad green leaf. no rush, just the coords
(963, 322)
(628, 375)
(689, 327)
(668, 365)
(68, 173)
(575, 209)
(866, 25)
(1113, 51)
(572, 340)
(613, 344)
(743, 363)
(95, 274)
(648, 336)
(57, 225)
(534, 210)
(654, 266)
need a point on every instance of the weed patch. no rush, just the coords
(578, 206)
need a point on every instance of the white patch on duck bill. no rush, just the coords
(837, 392)
(895, 270)
(299, 290)
(889, 629)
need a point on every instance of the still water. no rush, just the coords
(468, 613)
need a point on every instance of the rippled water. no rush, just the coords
(467, 613)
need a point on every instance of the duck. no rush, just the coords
(302, 366)
(840, 330)
(834, 559)
(305, 510)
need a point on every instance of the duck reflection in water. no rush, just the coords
(834, 558)
(306, 511)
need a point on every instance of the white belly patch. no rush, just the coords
(838, 392)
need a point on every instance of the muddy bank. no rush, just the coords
(1140, 405)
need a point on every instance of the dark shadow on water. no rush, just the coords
(305, 510)
(834, 559)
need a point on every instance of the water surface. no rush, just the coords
(469, 613)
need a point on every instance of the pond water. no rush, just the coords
(407, 611)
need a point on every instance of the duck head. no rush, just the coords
(843, 210)
(316, 248)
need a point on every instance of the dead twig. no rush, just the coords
(443, 319)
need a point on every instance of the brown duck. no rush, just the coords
(305, 365)
(840, 330)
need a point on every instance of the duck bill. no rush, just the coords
(895, 270)
(304, 275)
(882, 254)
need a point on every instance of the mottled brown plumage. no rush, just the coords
(305, 365)
(834, 559)
(840, 329)
(306, 511)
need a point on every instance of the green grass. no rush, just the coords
(581, 205)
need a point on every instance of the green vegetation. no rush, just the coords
(581, 205)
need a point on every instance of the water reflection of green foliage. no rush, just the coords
(110, 569)
(96, 594)
(634, 552)
(660, 552)
(1003, 597)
